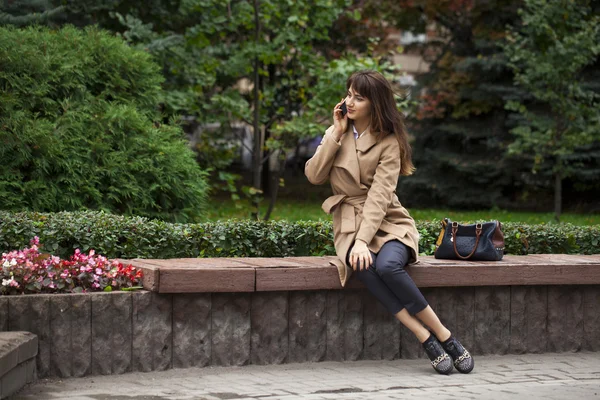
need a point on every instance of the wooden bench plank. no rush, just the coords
(204, 280)
(499, 275)
(240, 274)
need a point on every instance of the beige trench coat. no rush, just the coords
(363, 175)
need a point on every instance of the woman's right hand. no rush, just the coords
(340, 124)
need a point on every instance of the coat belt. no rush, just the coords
(346, 204)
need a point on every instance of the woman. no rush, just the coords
(362, 155)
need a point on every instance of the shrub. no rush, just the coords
(29, 271)
(138, 237)
(79, 129)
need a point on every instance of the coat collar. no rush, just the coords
(366, 141)
(347, 157)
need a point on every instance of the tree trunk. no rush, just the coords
(557, 196)
(275, 188)
(257, 159)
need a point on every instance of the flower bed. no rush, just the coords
(29, 271)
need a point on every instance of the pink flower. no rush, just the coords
(98, 271)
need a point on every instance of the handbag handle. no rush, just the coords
(478, 229)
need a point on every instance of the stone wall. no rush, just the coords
(113, 333)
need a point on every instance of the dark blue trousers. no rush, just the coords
(387, 280)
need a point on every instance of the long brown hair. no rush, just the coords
(386, 119)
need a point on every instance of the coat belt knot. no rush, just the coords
(347, 205)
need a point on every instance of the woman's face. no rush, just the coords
(359, 107)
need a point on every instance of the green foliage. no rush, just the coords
(460, 126)
(131, 237)
(27, 12)
(548, 52)
(80, 130)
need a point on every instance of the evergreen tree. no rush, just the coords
(79, 129)
(28, 12)
(461, 128)
(549, 51)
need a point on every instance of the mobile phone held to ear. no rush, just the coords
(344, 109)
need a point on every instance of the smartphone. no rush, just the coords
(344, 109)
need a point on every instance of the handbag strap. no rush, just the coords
(478, 229)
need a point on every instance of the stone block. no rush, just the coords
(529, 313)
(81, 334)
(565, 318)
(122, 332)
(537, 317)
(463, 325)
(31, 313)
(3, 313)
(591, 316)
(152, 332)
(307, 326)
(492, 320)
(373, 328)
(61, 336)
(13, 381)
(191, 330)
(230, 329)
(111, 333)
(269, 335)
(344, 325)
(410, 348)
(335, 326)
(381, 331)
(518, 320)
(16, 348)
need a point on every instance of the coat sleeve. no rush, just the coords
(382, 190)
(318, 167)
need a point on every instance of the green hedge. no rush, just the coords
(80, 129)
(130, 237)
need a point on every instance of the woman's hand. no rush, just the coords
(340, 124)
(360, 256)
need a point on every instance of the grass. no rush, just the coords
(295, 210)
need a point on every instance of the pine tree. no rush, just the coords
(28, 12)
(461, 128)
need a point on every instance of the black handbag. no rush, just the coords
(477, 242)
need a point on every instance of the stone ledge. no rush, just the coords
(211, 275)
(17, 361)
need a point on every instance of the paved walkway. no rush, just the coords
(540, 376)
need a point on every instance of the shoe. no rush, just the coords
(463, 361)
(440, 360)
